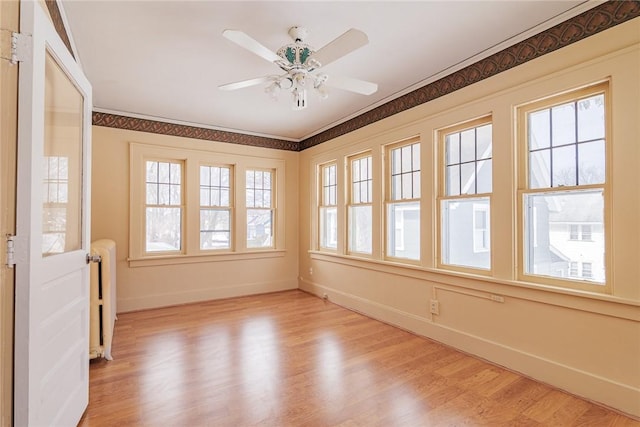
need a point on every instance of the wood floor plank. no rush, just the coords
(291, 359)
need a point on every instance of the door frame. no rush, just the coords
(9, 22)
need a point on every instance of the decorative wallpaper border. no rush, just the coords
(588, 23)
(58, 23)
(163, 128)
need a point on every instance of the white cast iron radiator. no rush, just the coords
(103, 299)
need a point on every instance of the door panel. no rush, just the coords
(52, 239)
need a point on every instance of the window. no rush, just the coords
(163, 206)
(403, 201)
(464, 202)
(565, 183)
(260, 209)
(360, 208)
(573, 269)
(215, 207)
(55, 198)
(184, 206)
(586, 270)
(328, 207)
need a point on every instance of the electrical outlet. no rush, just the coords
(310, 271)
(434, 307)
(497, 298)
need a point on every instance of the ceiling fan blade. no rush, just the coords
(344, 44)
(353, 85)
(245, 83)
(242, 39)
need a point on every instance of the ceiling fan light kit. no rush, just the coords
(300, 63)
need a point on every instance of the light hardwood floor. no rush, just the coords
(291, 359)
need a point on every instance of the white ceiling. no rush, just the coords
(165, 59)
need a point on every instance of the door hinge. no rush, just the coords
(14, 47)
(11, 251)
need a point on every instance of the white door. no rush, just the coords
(52, 238)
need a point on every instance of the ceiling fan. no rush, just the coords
(301, 65)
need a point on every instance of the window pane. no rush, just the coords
(416, 184)
(355, 171)
(225, 177)
(360, 227)
(259, 198)
(564, 166)
(453, 180)
(563, 124)
(591, 118)
(205, 175)
(259, 228)
(250, 179)
(484, 138)
(468, 145)
(266, 198)
(174, 194)
(328, 228)
(163, 194)
(224, 197)
(175, 175)
(363, 192)
(152, 171)
(484, 178)
(466, 233)
(396, 187)
(356, 193)
(215, 229)
(591, 161)
(406, 158)
(539, 129)
(403, 230)
(468, 177)
(407, 186)
(250, 198)
(453, 148)
(416, 157)
(548, 251)
(163, 229)
(163, 172)
(152, 194)
(540, 169)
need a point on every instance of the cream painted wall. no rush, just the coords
(143, 287)
(585, 343)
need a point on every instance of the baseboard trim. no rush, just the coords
(184, 297)
(618, 396)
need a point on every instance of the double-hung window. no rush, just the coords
(164, 204)
(328, 211)
(563, 188)
(260, 208)
(216, 197)
(191, 205)
(360, 208)
(465, 226)
(403, 201)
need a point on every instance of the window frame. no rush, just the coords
(272, 208)
(522, 143)
(181, 206)
(390, 201)
(442, 197)
(192, 159)
(324, 204)
(350, 198)
(230, 208)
